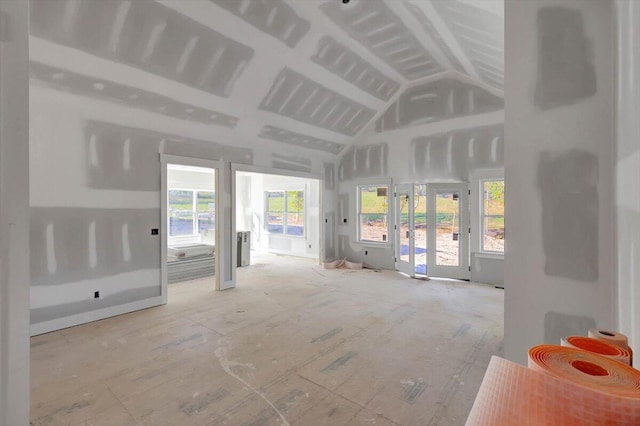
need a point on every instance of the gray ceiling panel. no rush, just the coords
(127, 95)
(435, 101)
(298, 97)
(480, 34)
(376, 27)
(274, 17)
(146, 35)
(342, 61)
(298, 139)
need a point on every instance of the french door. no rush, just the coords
(432, 230)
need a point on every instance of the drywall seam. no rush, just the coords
(458, 123)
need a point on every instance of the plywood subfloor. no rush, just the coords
(293, 344)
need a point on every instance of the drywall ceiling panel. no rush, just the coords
(298, 139)
(274, 17)
(435, 101)
(430, 29)
(342, 61)
(296, 96)
(377, 28)
(146, 35)
(126, 95)
(480, 34)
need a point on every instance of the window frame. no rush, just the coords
(195, 227)
(482, 215)
(388, 214)
(285, 211)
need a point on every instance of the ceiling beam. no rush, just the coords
(419, 32)
(447, 36)
(310, 10)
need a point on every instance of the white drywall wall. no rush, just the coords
(394, 151)
(14, 213)
(559, 167)
(628, 170)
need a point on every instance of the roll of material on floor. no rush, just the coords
(511, 394)
(616, 353)
(614, 338)
(587, 369)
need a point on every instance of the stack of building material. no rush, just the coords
(563, 385)
(190, 262)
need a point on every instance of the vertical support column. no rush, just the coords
(628, 169)
(14, 212)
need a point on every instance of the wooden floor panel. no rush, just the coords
(293, 344)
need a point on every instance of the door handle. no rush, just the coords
(408, 234)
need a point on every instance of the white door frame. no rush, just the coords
(409, 267)
(218, 166)
(462, 271)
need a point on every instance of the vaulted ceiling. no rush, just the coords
(314, 74)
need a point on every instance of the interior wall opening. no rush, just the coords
(191, 223)
(276, 215)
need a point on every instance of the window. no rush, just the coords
(492, 216)
(285, 212)
(373, 211)
(191, 212)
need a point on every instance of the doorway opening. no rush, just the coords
(190, 222)
(276, 215)
(432, 230)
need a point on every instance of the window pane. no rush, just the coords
(206, 201)
(374, 199)
(180, 223)
(493, 239)
(447, 229)
(295, 224)
(180, 200)
(275, 202)
(275, 223)
(493, 197)
(373, 227)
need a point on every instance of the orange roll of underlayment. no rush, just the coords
(614, 338)
(611, 337)
(511, 394)
(599, 347)
(587, 369)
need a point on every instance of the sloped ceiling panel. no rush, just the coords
(274, 17)
(480, 34)
(298, 139)
(436, 101)
(376, 27)
(430, 29)
(146, 35)
(126, 95)
(296, 96)
(342, 61)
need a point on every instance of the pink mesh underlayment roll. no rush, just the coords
(554, 392)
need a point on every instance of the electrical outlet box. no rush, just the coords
(154, 231)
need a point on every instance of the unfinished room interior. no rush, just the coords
(292, 212)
